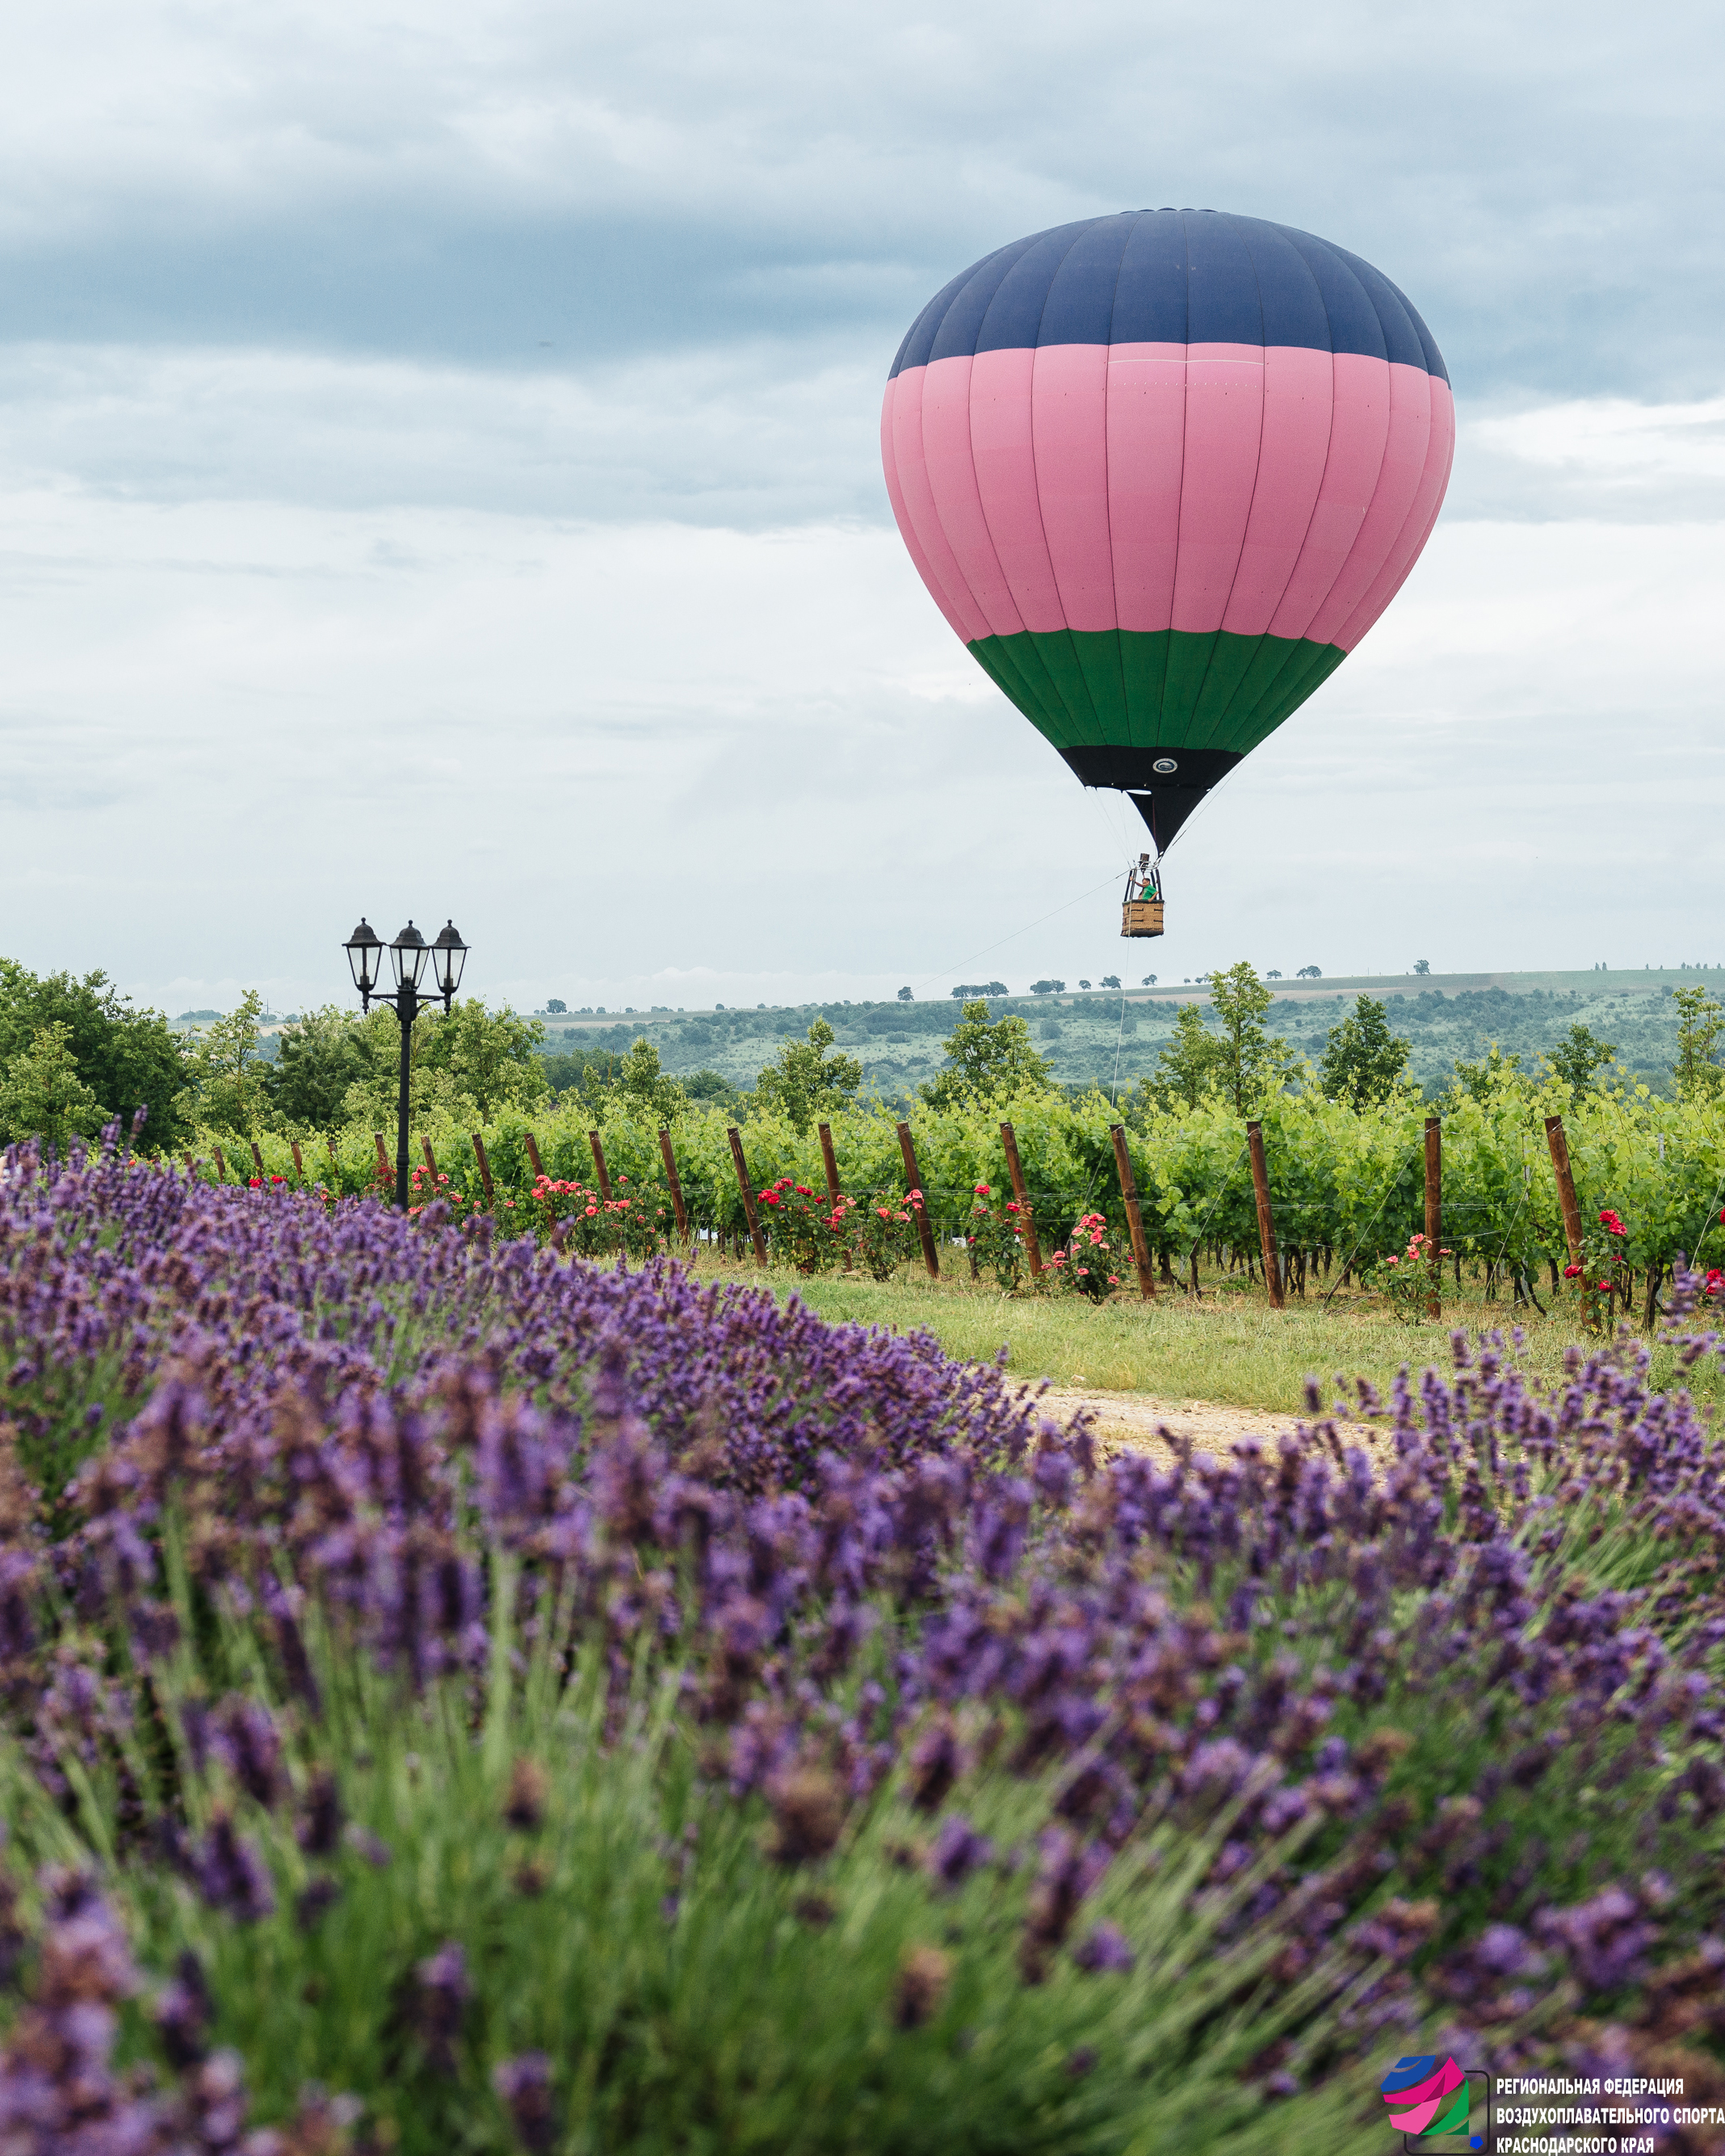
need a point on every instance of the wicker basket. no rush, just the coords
(1141, 918)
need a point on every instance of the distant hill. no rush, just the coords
(1093, 1036)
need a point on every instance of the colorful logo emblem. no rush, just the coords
(1427, 2098)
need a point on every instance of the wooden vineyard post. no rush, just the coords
(386, 1173)
(1435, 1211)
(484, 1167)
(1266, 1218)
(1559, 1145)
(1033, 1249)
(1134, 1215)
(598, 1162)
(924, 1227)
(830, 1160)
(430, 1160)
(675, 1180)
(259, 1158)
(191, 1165)
(749, 1195)
(221, 1164)
(298, 1164)
(539, 1174)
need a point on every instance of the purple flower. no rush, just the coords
(1105, 1949)
(958, 1851)
(524, 2084)
(438, 1997)
(230, 1874)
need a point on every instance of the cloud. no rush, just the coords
(438, 473)
(747, 435)
(625, 757)
(1542, 184)
(1601, 457)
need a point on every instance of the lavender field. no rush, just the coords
(459, 1699)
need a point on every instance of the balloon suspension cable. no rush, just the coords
(1143, 880)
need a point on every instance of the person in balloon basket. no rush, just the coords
(1148, 890)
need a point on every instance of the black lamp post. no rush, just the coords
(407, 957)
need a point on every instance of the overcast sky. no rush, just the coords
(438, 476)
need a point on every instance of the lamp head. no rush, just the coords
(365, 958)
(407, 958)
(448, 956)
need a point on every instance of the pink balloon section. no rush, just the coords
(1151, 487)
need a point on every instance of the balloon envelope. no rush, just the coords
(1161, 472)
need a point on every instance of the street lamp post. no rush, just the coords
(408, 956)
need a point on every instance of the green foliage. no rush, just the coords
(808, 1083)
(1699, 1023)
(227, 1087)
(317, 1059)
(1577, 1055)
(42, 1096)
(1346, 1185)
(1252, 1064)
(1365, 1062)
(489, 1057)
(642, 1091)
(1189, 1069)
(712, 1088)
(471, 1065)
(128, 1059)
(591, 1072)
(1494, 1075)
(997, 1235)
(987, 1063)
(1410, 1280)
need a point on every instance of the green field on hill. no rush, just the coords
(1098, 1036)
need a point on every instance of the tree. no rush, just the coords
(1363, 1061)
(905, 996)
(1084, 984)
(1422, 965)
(227, 1089)
(1577, 1055)
(1110, 980)
(318, 1058)
(1148, 980)
(556, 1005)
(643, 1090)
(1700, 1022)
(713, 1087)
(590, 1071)
(1309, 973)
(1252, 1065)
(1189, 1068)
(42, 1096)
(490, 1057)
(1047, 987)
(968, 991)
(987, 1063)
(129, 1059)
(806, 1080)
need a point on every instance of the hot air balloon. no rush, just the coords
(1161, 471)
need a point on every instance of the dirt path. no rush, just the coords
(1135, 1420)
